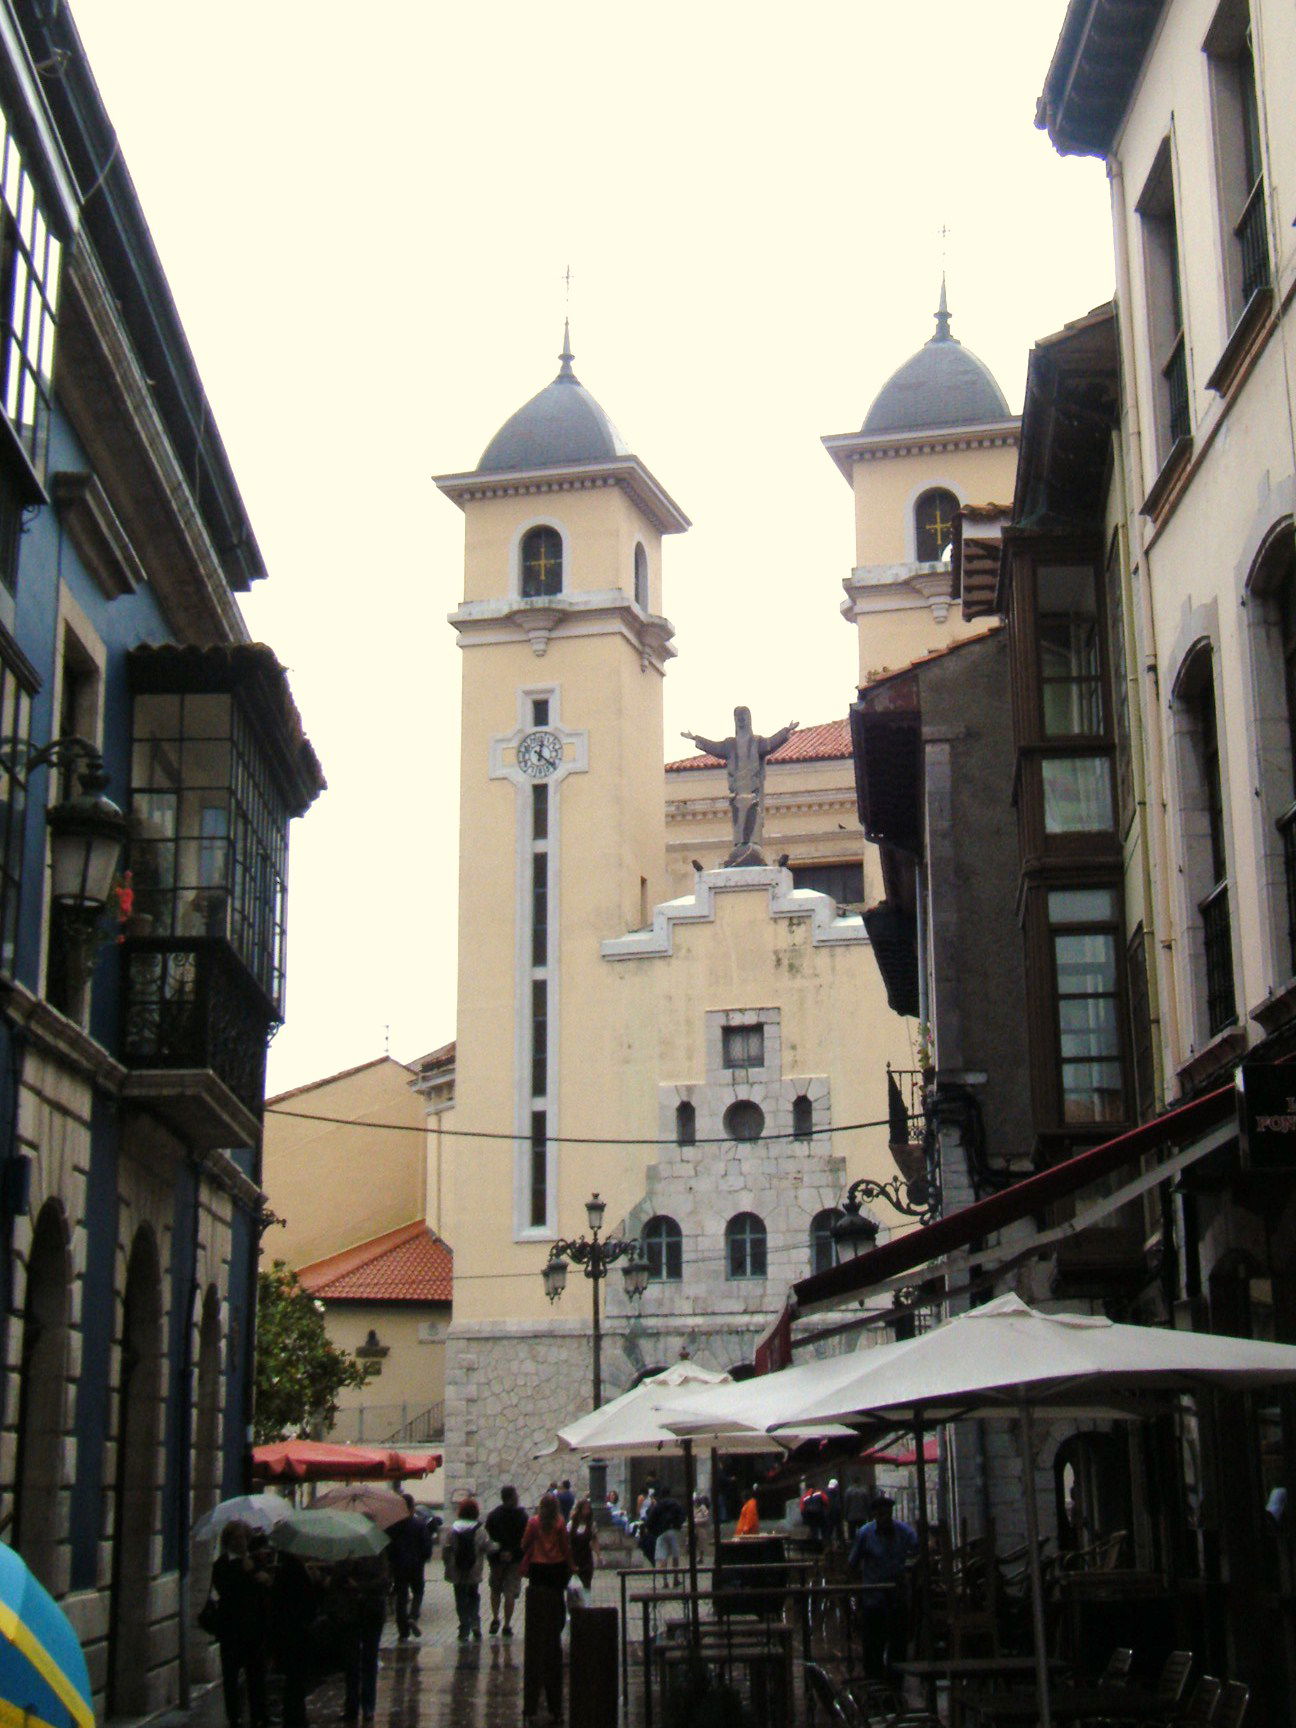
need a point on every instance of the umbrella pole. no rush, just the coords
(1026, 1438)
(924, 1552)
(715, 1502)
(692, 1540)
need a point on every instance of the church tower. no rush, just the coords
(562, 825)
(938, 438)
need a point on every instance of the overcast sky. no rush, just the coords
(365, 215)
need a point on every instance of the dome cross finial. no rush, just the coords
(565, 373)
(942, 316)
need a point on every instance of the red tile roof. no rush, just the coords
(824, 743)
(411, 1264)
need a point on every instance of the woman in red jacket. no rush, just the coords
(547, 1563)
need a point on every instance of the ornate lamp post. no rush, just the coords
(854, 1231)
(594, 1257)
(87, 832)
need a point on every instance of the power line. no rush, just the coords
(569, 1139)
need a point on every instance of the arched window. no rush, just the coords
(641, 576)
(664, 1247)
(934, 524)
(39, 1487)
(685, 1124)
(823, 1254)
(802, 1118)
(745, 1255)
(542, 563)
(744, 1120)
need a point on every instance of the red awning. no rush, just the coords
(903, 1455)
(319, 1461)
(971, 1224)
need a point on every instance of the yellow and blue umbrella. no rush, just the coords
(43, 1678)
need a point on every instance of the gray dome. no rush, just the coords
(943, 384)
(561, 425)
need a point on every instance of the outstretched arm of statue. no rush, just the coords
(769, 745)
(709, 746)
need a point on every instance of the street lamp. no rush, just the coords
(595, 1257)
(87, 831)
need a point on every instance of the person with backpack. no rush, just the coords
(814, 1515)
(463, 1552)
(505, 1527)
(664, 1523)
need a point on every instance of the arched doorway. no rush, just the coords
(136, 1482)
(42, 1413)
(206, 1469)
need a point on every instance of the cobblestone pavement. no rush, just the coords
(431, 1681)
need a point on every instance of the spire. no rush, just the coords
(943, 317)
(565, 373)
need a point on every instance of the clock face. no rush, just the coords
(540, 754)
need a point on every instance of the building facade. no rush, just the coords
(1143, 575)
(134, 1040)
(635, 1018)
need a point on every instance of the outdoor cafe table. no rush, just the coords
(960, 1669)
(733, 1639)
(629, 1574)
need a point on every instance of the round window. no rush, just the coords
(744, 1120)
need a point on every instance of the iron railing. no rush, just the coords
(1221, 1002)
(397, 1425)
(195, 1005)
(1253, 243)
(1175, 373)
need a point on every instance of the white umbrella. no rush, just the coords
(1005, 1359)
(259, 1511)
(632, 1426)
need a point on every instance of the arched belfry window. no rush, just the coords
(641, 577)
(685, 1124)
(542, 563)
(934, 515)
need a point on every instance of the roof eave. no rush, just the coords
(627, 471)
(1096, 65)
(846, 447)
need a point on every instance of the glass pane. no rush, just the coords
(1089, 1027)
(1077, 794)
(1086, 964)
(1092, 1092)
(208, 716)
(1082, 906)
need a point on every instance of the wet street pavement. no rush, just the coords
(429, 1682)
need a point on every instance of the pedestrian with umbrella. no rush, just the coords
(308, 1640)
(242, 1589)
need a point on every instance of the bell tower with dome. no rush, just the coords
(938, 437)
(562, 824)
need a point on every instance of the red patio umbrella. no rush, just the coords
(322, 1461)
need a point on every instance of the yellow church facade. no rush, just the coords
(706, 1047)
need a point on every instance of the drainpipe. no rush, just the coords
(1157, 890)
(184, 1473)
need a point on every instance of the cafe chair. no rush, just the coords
(1202, 1704)
(1232, 1706)
(1166, 1697)
(1117, 1671)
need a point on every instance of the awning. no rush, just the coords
(973, 1223)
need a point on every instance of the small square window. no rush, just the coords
(742, 1046)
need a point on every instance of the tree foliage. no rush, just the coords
(299, 1370)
